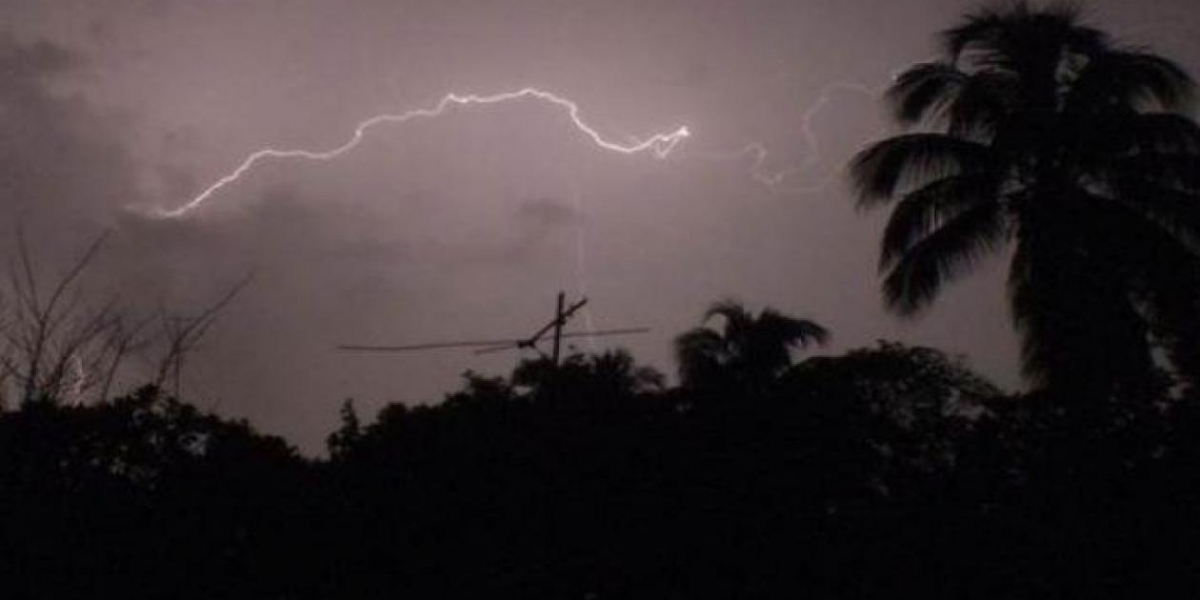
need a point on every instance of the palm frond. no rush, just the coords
(793, 331)
(923, 90)
(882, 169)
(982, 104)
(1172, 301)
(737, 319)
(923, 210)
(1013, 35)
(943, 255)
(1175, 211)
(1168, 133)
(1080, 329)
(1171, 171)
(1119, 236)
(1163, 275)
(729, 309)
(698, 339)
(979, 27)
(698, 352)
(1134, 78)
(1077, 37)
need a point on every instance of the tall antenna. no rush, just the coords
(562, 313)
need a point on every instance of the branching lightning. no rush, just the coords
(660, 144)
(784, 181)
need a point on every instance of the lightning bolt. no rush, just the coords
(581, 261)
(79, 379)
(784, 181)
(813, 157)
(660, 144)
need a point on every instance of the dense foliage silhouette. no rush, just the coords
(748, 352)
(849, 474)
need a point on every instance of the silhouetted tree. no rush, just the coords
(342, 442)
(49, 339)
(138, 493)
(906, 408)
(599, 379)
(1037, 130)
(61, 341)
(748, 351)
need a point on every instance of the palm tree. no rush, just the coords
(612, 375)
(1040, 136)
(749, 350)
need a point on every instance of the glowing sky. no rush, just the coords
(466, 225)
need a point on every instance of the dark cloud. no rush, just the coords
(545, 212)
(23, 63)
(63, 163)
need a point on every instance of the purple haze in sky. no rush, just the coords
(465, 226)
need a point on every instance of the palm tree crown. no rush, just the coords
(748, 349)
(1040, 135)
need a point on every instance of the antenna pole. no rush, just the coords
(562, 313)
(559, 318)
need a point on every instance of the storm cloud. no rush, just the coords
(465, 226)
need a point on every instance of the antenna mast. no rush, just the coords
(562, 313)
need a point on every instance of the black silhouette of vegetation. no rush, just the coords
(747, 354)
(883, 471)
(1038, 130)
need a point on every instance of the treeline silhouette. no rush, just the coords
(889, 470)
(883, 469)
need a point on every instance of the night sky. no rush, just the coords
(466, 225)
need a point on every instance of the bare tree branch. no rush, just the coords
(182, 334)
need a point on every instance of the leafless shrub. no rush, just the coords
(57, 343)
